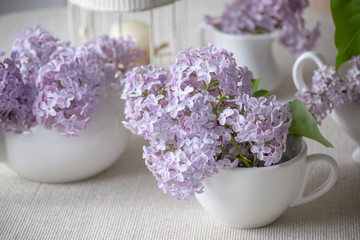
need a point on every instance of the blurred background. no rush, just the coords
(320, 5)
(20, 5)
(54, 16)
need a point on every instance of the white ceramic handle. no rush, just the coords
(311, 161)
(201, 33)
(297, 72)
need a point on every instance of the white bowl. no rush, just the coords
(46, 156)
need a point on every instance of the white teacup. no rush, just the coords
(46, 156)
(347, 116)
(255, 197)
(251, 50)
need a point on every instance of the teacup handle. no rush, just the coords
(311, 161)
(297, 71)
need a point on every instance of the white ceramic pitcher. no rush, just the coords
(347, 116)
(251, 50)
(46, 156)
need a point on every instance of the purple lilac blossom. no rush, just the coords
(353, 81)
(329, 91)
(34, 47)
(16, 97)
(265, 16)
(69, 86)
(57, 85)
(118, 55)
(192, 115)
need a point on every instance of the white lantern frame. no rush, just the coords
(89, 18)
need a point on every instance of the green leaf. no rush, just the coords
(261, 93)
(258, 31)
(346, 17)
(303, 123)
(256, 82)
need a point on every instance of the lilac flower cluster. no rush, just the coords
(118, 56)
(58, 85)
(329, 91)
(200, 117)
(253, 17)
(16, 97)
(69, 86)
(34, 47)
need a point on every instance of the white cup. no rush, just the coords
(46, 156)
(251, 50)
(347, 116)
(255, 197)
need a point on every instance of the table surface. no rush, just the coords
(124, 202)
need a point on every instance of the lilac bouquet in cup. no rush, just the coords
(329, 91)
(49, 82)
(257, 17)
(207, 114)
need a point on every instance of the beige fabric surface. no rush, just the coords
(124, 201)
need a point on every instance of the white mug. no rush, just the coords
(255, 197)
(46, 156)
(251, 50)
(347, 116)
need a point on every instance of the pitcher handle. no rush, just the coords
(311, 161)
(297, 71)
